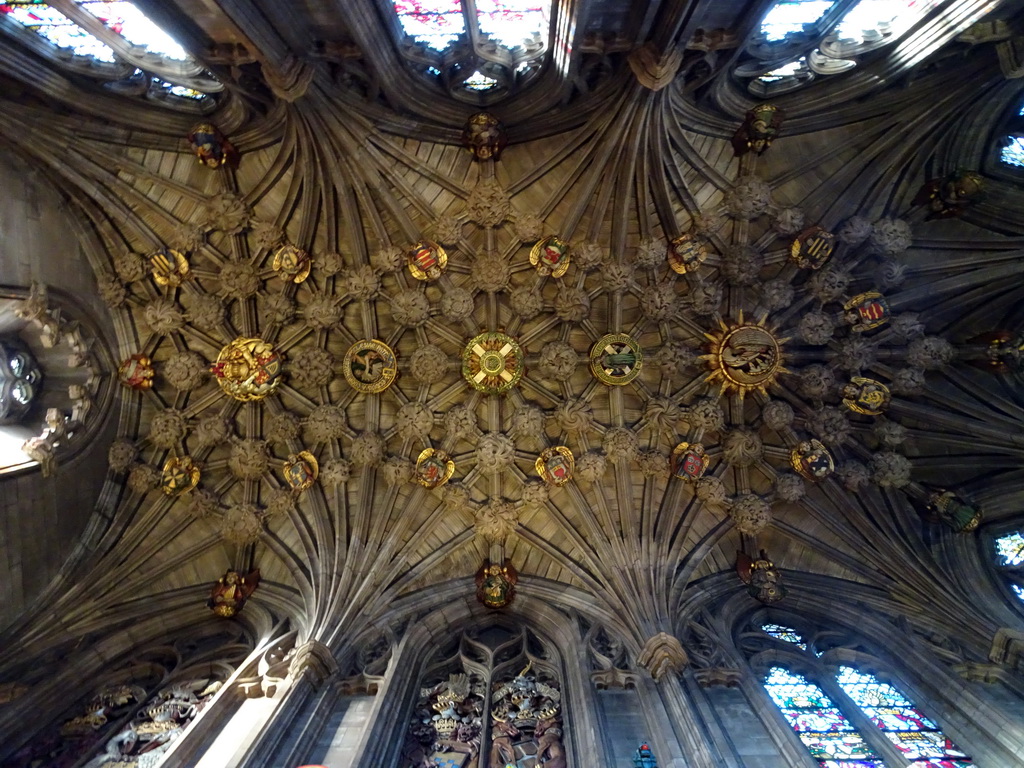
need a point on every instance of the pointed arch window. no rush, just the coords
(1010, 560)
(801, 40)
(479, 49)
(831, 712)
(917, 737)
(823, 729)
(113, 40)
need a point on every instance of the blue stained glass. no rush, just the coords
(791, 16)
(912, 733)
(57, 28)
(823, 729)
(435, 23)
(1010, 548)
(134, 26)
(788, 634)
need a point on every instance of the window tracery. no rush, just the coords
(829, 705)
(492, 699)
(799, 40)
(1010, 560)
(113, 40)
(480, 51)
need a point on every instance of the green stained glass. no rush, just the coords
(913, 734)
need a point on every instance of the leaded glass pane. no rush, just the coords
(134, 26)
(1014, 153)
(480, 82)
(511, 22)
(785, 633)
(875, 18)
(828, 735)
(435, 23)
(942, 764)
(786, 70)
(1019, 590)
(1010, 548)
(912, 733)
(57, 28)
(791, 16)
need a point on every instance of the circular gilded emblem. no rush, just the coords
(427, 260)
(434, 468)
(616, 359)
(550, 256)
(493, 363)
(248, 369)
(744, 357)
(370, 366)
(292, 264)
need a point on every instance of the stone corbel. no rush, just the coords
(613, 677)
(710, 677)
(654, 70)
(314, 662)
(979, 672)
(662, 655)
(290, 80)
(1008, 649)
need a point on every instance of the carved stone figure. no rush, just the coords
(496, 584)
(950, 196)
(761, 577)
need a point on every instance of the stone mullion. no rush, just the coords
(872, 734)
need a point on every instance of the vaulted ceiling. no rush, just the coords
(349, 155)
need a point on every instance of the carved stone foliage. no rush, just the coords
(662, 655)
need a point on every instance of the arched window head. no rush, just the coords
(21, 380)
(833, 706)
(115, 33)
(479, 50)
(1010, 560)
(799, 41)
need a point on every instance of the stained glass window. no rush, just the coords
(870, 20)
(480, 82)
(435, 23)
(785, 633)
(1010, 548)
(511, 22)
(917, 737)
(792, 16)
(786, 70)
(823, 729)
(57, 28)
(438, 23)
(133, 25)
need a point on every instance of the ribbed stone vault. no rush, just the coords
(354, 183)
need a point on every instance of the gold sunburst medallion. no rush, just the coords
(493, 363)
(744, 357)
